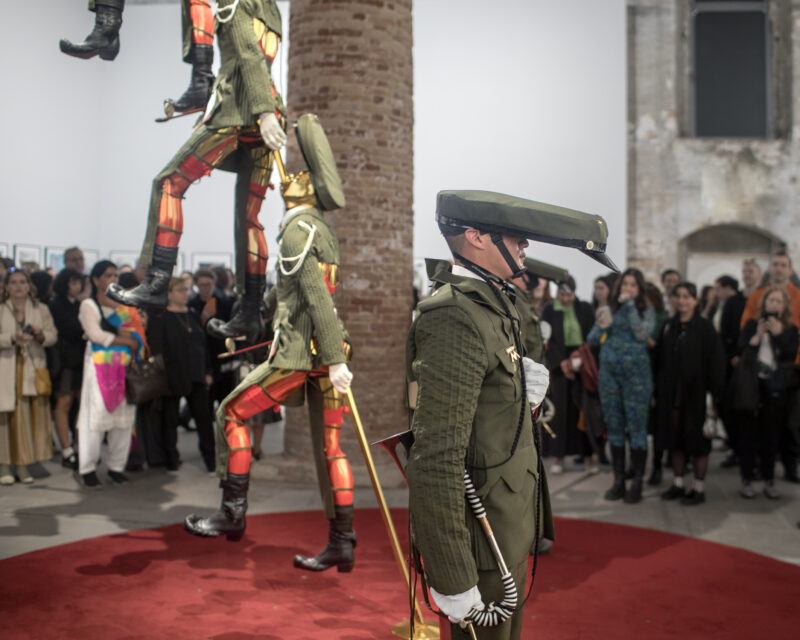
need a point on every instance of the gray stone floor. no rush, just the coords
(55, 510)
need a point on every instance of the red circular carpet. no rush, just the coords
(603, 582)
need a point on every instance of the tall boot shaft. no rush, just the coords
(199, 91)
(340, 550)
(152, 293)
(247, 321)
(617, 490)
(638, 462)
(229, 520)
(104, 37)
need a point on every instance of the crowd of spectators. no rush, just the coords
(670, 369)
(64, 347)
(645, 371)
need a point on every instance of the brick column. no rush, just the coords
(350, 63)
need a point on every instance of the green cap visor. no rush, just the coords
(545, 271)
(509, 215)
(318, 155)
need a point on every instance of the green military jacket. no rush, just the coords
(531, 330)
(304, 305)
(461, 353)
(244, 89)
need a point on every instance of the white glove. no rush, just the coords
(340, 376)
(537, 380)
(458, 606)
(271, 131)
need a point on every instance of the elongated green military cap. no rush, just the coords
(500, 213)
(545, 270)
(321, 163)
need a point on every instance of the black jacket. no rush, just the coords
(690, 363)
(68, 351)
(784, 347)
(729, 325)
(186, 357)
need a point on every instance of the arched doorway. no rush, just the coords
(710, 252)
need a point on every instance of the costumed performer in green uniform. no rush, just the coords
(475, 394)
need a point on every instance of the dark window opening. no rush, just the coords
(731, 70)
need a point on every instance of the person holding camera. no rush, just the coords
(768, 347)
(26, 328)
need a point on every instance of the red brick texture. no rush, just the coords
(350, 62)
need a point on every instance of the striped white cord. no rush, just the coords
(492, 614)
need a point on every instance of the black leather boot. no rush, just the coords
(199, 91)
(152, 293)
(229, 520)
(617, 490)
(638, 461)
(247, 321)
(104, 38)
(340, 549)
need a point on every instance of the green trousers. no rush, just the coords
(491, 589)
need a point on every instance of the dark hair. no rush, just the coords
(781, 253)
(728, 281)
(204, 273)
(128, 280)
(606, 280)
(98, 270)
(64, 277)
(690, 287)
(654, 297)
(223, 281)
(569, 281)
(670, 271)
(42, 281)
(640, 301)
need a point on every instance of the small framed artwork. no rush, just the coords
(205, 260)
(54, 258)
(90, 257)
(27, 256)
(122, 258)
(4, 250)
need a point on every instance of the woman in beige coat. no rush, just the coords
(26, 328)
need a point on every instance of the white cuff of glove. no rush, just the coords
(458, 606)
(340, 377)
(537, 380)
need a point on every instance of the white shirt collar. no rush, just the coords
(458, 270)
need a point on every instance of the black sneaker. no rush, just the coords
(90, 480)
(693, 498)
(791, 477)
(117, 477)
(70, 461)
(673, 493)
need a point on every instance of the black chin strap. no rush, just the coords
(516, 270)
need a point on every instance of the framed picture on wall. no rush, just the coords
(28, 256)
(54, 258)
(4, 250)
(211, 259)
(90, 256)
(121, 258)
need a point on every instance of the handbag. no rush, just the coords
(590, 374)
(146, 380)
(44, 385)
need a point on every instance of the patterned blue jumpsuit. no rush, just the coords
(626, 379)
